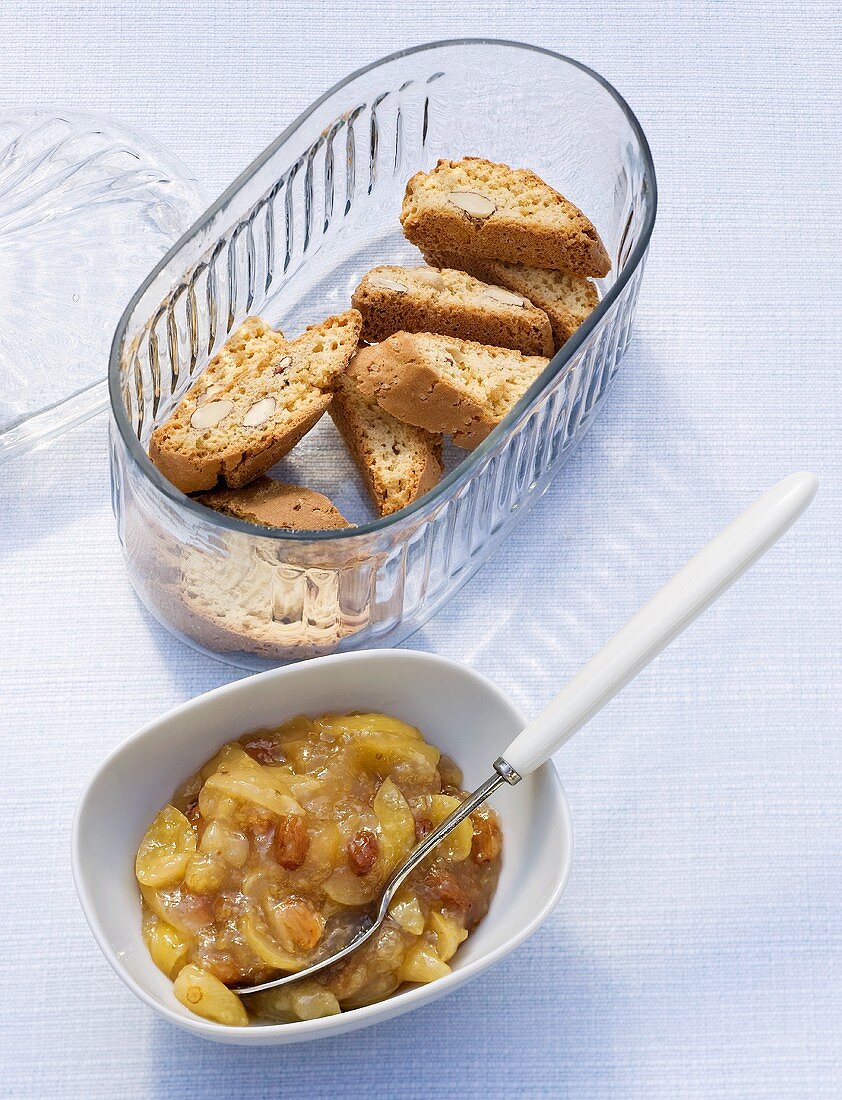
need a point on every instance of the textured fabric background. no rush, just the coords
(697, 952)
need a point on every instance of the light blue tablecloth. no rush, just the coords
(697, 951)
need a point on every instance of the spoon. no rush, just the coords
(682, 599)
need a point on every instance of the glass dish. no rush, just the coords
(289, 240)
(86, 206)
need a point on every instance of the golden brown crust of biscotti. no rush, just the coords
(452, 303)
(567, 299)
(265, 397)
(478, 208)
(412, 389)
(249, 346)
(270, 503)
(445, 385)
(399, 462)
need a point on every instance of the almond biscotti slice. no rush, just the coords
(567, 299)
(243, 598)
(478, 208)
(270, 503)
(398, 462)
(455, 387)
(265, 393)
(451, 303)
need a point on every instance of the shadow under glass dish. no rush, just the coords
(290, 240)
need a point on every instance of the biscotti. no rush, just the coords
(257, 398)
(398, 462)
(566, 299)
(451, 303)
(270, 503)
(243, 598)
(455, 387)
(478, 208)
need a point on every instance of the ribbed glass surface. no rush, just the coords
(86, 207)
(290, 241)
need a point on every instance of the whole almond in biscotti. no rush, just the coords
(398, 462)
(566, 299)
(258, 396)
(474, 207)
(451, 303)
(445, 385)
(270, 503)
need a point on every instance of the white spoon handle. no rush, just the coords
(679, 602)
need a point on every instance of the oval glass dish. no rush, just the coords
(289, 240)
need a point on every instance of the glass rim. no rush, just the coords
(555, 366)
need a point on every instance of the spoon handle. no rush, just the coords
(694, 588)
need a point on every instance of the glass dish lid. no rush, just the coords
(87, 206)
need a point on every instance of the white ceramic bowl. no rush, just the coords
(455, 708)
